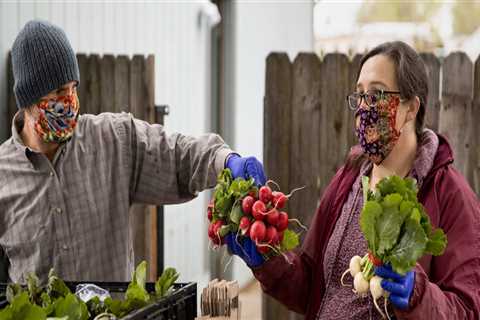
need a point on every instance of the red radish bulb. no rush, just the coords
(263, 249)
(258, 231)
(247, 204)
(265, 194)
(245, 225)
(258, 210)
(213, 230)
(210, 211)
(272, 217)
(282, 223)
(279, 199)
(272, 235)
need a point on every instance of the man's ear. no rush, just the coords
(413, 108)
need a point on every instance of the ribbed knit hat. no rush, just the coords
(43, 60)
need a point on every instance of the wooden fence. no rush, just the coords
(308, 128)
(114, 84)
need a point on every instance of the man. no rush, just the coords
(68, 180)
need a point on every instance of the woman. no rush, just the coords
(391, 78)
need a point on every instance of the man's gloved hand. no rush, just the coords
(246, 168)
(400, 287)
(247, 250)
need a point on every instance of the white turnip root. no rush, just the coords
(354, 268)
(360, 284)
(377, 291)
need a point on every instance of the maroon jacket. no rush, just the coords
(446, 287)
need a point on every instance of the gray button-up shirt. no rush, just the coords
(71, 214)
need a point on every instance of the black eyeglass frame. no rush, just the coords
(376, 95)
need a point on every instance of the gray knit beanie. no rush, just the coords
(43, 60)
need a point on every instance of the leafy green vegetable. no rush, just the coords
(56, 287)
(95, 306)
(370, 213)
(236, 214)
(436, 243)
(13, 289)
(57, 302)
(410, 248)
(72, 307)
(165, 282)
(290, 240)
(21, 308)
(397, 228)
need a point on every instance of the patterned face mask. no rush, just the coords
(376, 132)
(58, 118)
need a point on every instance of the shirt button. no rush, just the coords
(65, 247)
(58, 210)
(51, 174)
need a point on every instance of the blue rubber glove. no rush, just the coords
(246, 168)
(400, 287)
(246, 250)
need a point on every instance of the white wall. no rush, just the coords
(261, 27)
(180, 40)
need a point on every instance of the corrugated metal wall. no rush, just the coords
(177, 33)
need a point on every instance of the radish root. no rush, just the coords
(378, 308)
(343, 276)
(299, 224)
(295, 190)
(274, 183)
(385, 306)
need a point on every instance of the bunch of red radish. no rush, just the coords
(263, 220)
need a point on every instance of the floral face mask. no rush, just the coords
(376, 132)
(57, 118)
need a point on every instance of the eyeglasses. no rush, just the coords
(371, 97)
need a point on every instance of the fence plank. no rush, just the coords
(122, 84)
(335, 119)
(149, 75)
(82, 88)
(432, 111)
(305, 130)
(457, 93)
(276, 146)
(473, 165)
(93, 87)
(137, 87)
(354, 68)
(107, 84)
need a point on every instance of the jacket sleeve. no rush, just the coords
(291, 279)
(452, 288)
(287, 279)
(166, 167)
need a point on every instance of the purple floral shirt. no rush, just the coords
(347, 240)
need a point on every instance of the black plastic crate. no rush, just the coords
(181, 304)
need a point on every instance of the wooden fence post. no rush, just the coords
(432, 109)
(277, 122)
(456, 112)
(122, 87)
(107, 82)
(305, 132)
(473, 165)
(336, 119)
